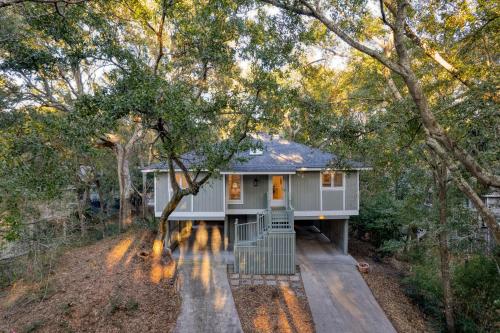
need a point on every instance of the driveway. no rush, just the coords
(207, 301)
(339, 298)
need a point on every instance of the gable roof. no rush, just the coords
(280, 155)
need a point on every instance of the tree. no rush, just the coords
(190, 90)
(58, 60)
(437, 138)
(440, 175)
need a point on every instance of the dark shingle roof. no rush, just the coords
(280, 155)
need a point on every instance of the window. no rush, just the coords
(327, 179)
(256, 151)
(235, 189)
(338, 179)
(332, 179)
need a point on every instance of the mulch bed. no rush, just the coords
(272, 304)
(384, 281)
(105, 287)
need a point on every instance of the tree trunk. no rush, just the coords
(125, 184)
(162, 242)
(144, 195)
(82, 202)
(102, 208)
(441, 178)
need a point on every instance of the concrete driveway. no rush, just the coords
(207, 301)
(339, 298)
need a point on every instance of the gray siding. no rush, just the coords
(351, 188)
(333, 200)
(305, 191)
(161, 191)
(210, 197)
(253, 196)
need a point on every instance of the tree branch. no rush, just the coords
(309, 10)
(6, 3)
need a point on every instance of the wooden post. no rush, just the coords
(236, 231)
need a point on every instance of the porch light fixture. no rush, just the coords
(255, 182)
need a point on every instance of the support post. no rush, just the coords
(346, 236)
(236, 231)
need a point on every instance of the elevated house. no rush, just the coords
(260, 199)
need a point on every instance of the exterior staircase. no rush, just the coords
(267, 245)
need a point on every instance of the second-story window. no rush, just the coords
(235, 189)
(331, 180)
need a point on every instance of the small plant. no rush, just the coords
(33, 326)
(118, 303)
(66, 308)
(131, 305)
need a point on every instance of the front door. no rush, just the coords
(277, 190)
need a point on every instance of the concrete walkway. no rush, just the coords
(207, 301)
(339, 298)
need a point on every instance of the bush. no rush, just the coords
(476, 286)
(379, 215)
(424, 287)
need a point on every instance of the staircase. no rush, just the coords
(266, 246)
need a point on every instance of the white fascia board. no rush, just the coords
(244, 211)
(193, 215)
(258, 173)
(333, 169)
(323, 218)
(326, 213)
(166, 170)
(149, 170)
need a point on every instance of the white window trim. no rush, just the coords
(236, 202)
(333, 187)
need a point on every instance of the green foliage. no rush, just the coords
(475, 287)
(379, 216)
(424, 286)
(477, 293)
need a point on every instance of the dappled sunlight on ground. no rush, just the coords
(265, 308)
(15, 293)
(118, 251)
(207, 303)
(262, 321)
(103, 287)
(159, 269)
(216, 241)
(293, 304)
(220, 300)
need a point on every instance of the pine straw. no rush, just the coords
(272, 309)
(105, 287)
(384, 281)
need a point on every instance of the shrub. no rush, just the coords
(424, 287)
(379, 215)
(476, 286)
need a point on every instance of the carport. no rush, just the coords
(328, 233)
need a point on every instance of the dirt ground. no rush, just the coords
(104, 287)
(384, 281)
(273, 309)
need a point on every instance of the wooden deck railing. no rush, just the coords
(266, 246)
